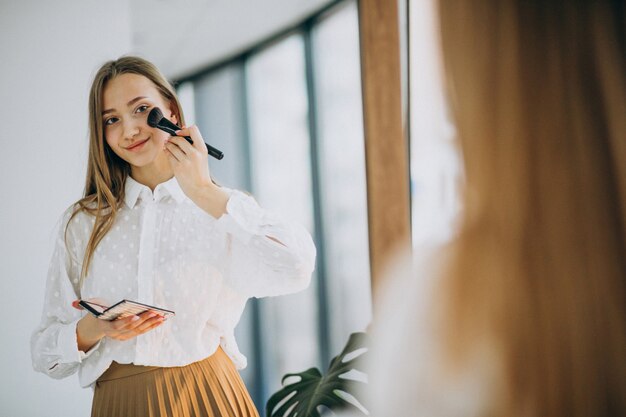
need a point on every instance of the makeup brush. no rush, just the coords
(156, 119)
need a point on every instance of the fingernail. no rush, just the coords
(177, 132)
(135, 318)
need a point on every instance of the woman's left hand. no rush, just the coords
(190, 163)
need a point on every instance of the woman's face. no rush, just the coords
(127, 100)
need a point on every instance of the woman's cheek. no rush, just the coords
(116, 149)
(161, 137)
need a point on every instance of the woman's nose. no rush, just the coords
(131, 129)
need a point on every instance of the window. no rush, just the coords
(287, 114)
(281, 179)
(341, 158)
(435, 165)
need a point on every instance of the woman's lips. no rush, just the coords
(137, 146)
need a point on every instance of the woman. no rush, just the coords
(153, 227)
(524, 313)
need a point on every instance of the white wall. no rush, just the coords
(49, 50)
(209, 30)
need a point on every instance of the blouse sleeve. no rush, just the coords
(254, 264)
(54, 348)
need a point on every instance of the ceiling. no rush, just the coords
(184, 36)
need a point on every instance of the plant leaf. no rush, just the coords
(313, 389)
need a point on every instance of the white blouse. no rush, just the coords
(165, 251)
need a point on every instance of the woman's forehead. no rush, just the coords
(119, 91)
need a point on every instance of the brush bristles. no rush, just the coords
(154, 117)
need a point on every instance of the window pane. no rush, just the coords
(218, 114)
(337, 75)
(435, 165)
(281, 180)
(185, 93)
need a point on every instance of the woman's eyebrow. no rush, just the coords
(130, 103)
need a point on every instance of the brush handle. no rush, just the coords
(214, 152)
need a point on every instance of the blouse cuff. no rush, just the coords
(67, 344)
(244, 218)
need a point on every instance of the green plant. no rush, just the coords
(303, 397)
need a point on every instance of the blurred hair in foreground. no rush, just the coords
(524, 312)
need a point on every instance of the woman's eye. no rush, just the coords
(142, 108)
(110, 121)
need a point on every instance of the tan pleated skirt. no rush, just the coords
(208, 388)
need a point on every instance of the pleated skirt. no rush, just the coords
(208, 388)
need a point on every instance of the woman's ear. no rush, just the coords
(173, 113)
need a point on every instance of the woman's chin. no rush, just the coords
(153, 158)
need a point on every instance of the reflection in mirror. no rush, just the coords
(282, 100)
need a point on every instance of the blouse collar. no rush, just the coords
(133, 190)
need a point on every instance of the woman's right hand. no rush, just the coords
(90, 329)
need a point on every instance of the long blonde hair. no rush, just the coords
(538, 91)
(106, 172)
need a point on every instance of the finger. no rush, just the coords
(196, 136)
(123, 324)
(142, 328)
(149, 324)
(182, 143)
(173, 161)
(145, 317)
(175, 151)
